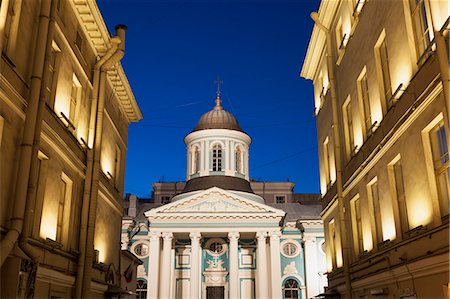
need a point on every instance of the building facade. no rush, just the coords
(65, 106)
(214, 237)
(381, 92)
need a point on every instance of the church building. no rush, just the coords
(218, 238)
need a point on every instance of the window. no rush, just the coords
(332, 236)
(441, 162)
(363, 91)
(238, 160)
(141, 249)
(372, 190)
(141, 289)
(348, 127)
(217, 158)
(280, 199)
(339, 36)
(64, 203)
(291, 289)
(290, 249)
(396, 173)
(196, 160)
(117, 168)
(384, 66)
(74, 97)
(357, 225)
(11, 27)
(216, 246)
(165, 199)
(79, 41)
(326, 162)
(52, 74)
(420, 26)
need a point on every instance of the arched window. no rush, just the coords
(238, 160)
(217, 158)
(141, 289)
(291, 289)
(196, 160)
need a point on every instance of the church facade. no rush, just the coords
(217, 238)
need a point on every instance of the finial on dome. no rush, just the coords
(218, 100)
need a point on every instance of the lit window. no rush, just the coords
(439, 147)
(327, 162)
(238, 159)
(51, 81)
(64, 202)
(420, 26)
(357, 225)
(363, 89)
(396, 173)
(348, 126)
(141, 249)
(291, 289)
(11, 26)
(332, 237)
(74, 98)
(280, 199)
(217, 158)
(384, 64)
(117, 164)
(372, 190)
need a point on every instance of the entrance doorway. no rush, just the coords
(215, 292)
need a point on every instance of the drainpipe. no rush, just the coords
(90, 204)
(34, 172)
(7, 243)
(337, 154)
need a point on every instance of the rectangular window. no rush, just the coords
(357, 225)
(52, 73)
(363, 91)
(74, 95)
(326, 161)
(11, 27)
(441, 162)
(117, 168)
(374, 198)
(399, 189)
(420, 26)
(348, 126)
(384, 64)
(280, 199)
(217, 158)
(339, 36)
(64, 203)
(79, 41)
(332, 232)
(165, 199)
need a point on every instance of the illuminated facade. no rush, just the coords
(381, 83)
(65, 108)
(214, 236)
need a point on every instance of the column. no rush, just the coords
(153, 269)
(195, 263)
(311, 266)
(234, 265)
(261, 266)
(166, 266)
(275, 264)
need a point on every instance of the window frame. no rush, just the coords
(217, 157)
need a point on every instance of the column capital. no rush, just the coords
(261, 236)
(233, 236)
(154, 235)
(167, 236)
(195, 236)
(275, 235)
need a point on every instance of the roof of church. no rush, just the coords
(296, 211)
(218, 118)
(221, 181)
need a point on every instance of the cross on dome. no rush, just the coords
(218, 100)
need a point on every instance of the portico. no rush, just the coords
(219, 239)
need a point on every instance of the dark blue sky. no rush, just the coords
(174, 52)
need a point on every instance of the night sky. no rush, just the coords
(174, 52)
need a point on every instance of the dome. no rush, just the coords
(218, 118)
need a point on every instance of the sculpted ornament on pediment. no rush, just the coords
(215, 205)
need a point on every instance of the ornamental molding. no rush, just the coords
(290, 269)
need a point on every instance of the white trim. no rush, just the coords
(290, 241)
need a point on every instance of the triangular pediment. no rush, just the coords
(214, 201)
